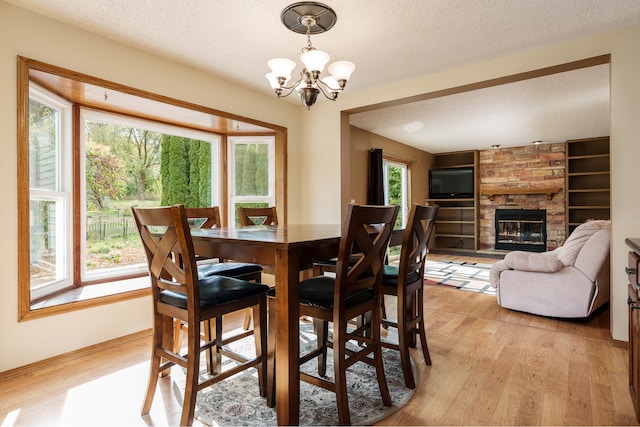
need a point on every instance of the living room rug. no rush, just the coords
(473, 277)
(236, 401)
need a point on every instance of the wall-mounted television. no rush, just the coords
(451, 183)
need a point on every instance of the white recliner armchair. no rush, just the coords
(571, 281)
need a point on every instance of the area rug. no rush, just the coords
(473, 277)
(236, 401)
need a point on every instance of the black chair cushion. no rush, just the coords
(228, 269)
(318, 292)
(327, 262)
(333, 262)
(390, 276)
(215, 291)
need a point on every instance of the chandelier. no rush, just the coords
(309, 18)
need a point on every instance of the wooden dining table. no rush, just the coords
(291, 249)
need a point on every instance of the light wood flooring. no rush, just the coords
(491, 366)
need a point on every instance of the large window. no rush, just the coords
(129, 162)
(88, 150)
(123, 162)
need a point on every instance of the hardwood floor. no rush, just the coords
(491, 366)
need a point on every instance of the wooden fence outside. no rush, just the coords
(107, 226)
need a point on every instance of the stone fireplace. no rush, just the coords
(523, 178)
(521, 230)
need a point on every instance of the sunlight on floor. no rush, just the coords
(113, 399)
(10, 419)
(103, 400)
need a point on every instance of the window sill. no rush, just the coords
(89, 296)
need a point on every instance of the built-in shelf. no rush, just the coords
(588, 181)
(548, 191)
(456, 226)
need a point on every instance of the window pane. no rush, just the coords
(44, 124)
(185, 171)
(47, 256)
(130, 166)
(251, 173)
(396, 190)
(251, 170)
(49, 244)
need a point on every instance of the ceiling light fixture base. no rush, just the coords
(311, 15)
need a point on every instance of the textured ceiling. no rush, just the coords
(554, 108)
(389, 41)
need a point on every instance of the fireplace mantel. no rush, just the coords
(548, 191)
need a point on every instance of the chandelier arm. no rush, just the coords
(280, 95)
(322, 85)
(337, 89)
(293, 86)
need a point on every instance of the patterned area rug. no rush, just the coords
(236, 401)
(472, 277)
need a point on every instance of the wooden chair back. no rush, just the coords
(207, 217)
(257, 216)
(415, 241)
(365, 237)
(166, 238)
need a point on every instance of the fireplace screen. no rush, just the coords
(521, 229)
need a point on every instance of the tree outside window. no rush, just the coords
(127, 166)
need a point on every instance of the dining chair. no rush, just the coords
(179, 293)
(204, 218)
(406, 282)
(257, 216)
(329, 265)
(354, 291)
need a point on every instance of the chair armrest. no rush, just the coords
(532, 261)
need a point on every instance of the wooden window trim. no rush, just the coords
(75, 87)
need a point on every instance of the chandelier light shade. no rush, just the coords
(309, 18)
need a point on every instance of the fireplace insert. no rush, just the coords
(521, 229)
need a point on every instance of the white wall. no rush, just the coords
(37, 37)
(625, 158)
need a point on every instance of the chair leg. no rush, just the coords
(154, 367)
(193, 368)
(322, 332)
(412, 313)
(247, 319)
(154, 374)
(260, 339)
(177, 336)
(165, 326)
(405, 311)
(421, 327)
(383, 309)
(217, 360)
(256, 277)
(340, 370)
(377, 355)
(317, 271)
(209, 327)
(271, 353)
